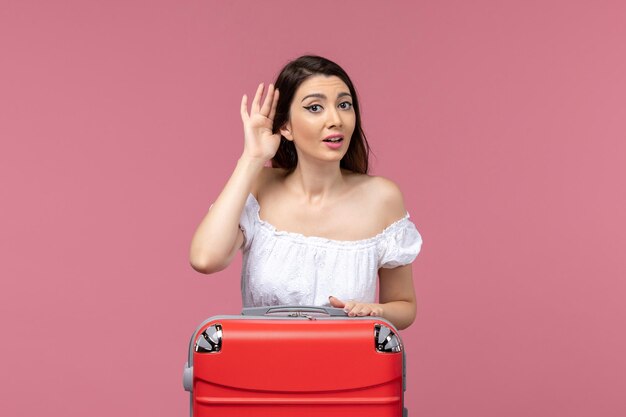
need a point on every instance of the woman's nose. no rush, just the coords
(333, 118)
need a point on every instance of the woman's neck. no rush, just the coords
(316, 183)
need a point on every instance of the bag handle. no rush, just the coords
(293, 311)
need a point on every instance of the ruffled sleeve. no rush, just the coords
(399, 245)
(247, 221)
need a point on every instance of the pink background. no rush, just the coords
(503, 122)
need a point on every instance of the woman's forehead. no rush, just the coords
(329, 86)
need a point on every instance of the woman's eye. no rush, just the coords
(314, 108)
(346, 105)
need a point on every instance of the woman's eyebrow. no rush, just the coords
(320, 95)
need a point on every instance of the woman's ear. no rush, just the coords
(286, 131)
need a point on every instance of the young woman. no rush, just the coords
(314, 228)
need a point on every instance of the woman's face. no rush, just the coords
(321, 119)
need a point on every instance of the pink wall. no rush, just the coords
(503, 123)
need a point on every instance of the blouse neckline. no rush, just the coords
(317, 239)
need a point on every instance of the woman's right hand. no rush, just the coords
(260, 143)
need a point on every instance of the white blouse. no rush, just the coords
(286, 268)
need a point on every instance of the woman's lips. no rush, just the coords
(335, 144)
(334, 136)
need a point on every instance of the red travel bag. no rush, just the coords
(295, 361)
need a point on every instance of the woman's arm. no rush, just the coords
(218, 236)
(396, 295)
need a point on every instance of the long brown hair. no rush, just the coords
(291, 76)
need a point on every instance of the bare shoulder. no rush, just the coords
(267, 178)
(389, 199)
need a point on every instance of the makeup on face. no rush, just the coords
(323, 115)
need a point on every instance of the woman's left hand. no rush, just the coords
(354, 308)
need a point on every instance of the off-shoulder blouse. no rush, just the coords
(286, 268)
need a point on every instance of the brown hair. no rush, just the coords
(291, 76)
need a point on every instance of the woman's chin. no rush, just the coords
(322, 157)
